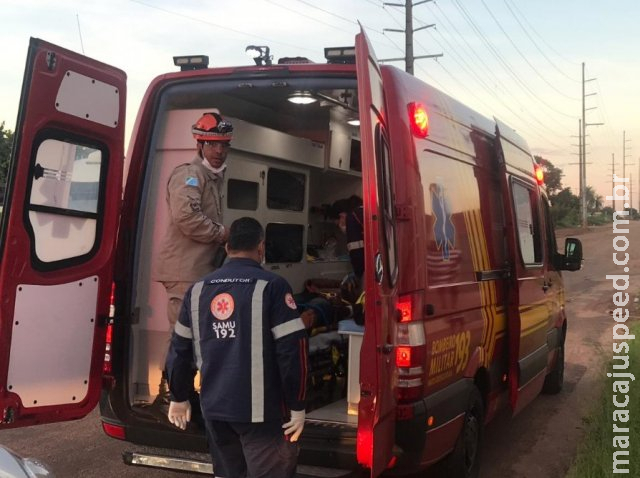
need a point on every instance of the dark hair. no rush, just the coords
(344, 205)
(245, 234)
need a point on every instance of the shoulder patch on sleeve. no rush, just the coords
(291, 303)
(191, 181)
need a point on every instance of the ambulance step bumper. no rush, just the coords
(167, 462)
(206, 468)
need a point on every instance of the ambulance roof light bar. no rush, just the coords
(191, 62)
(260, 54)
(341, 54)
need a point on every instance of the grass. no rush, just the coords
(595, 454)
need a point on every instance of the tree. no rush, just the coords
(552, 176)
(6, 142)
(565, 208)
(594, 200)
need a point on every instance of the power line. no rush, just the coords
(504, 63)
(206, 22)
(80, 33)
(472, 73)
(535, 70)
(327, 12)
(541, 37)
(306, 16)
(535, 44)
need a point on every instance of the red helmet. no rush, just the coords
(211, 127)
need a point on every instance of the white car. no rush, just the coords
(14, 466)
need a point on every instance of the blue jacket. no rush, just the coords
(241, 326)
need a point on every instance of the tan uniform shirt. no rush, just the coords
(195, 229)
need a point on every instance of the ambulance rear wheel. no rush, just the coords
(555, 379)
(464, 460)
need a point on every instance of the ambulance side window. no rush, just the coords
(386, 196)
(527, 223)
(64, 199)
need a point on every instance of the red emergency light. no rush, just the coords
(418, 119)
(539, 175)
(405, 313)
(403, 356)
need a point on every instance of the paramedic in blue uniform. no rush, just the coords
(351, 223)
(241, 325)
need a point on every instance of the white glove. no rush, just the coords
(179, 414)
(294, 426)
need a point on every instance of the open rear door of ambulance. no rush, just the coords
(514, 325)
(528, 313)
(58, 235)
(376, 410)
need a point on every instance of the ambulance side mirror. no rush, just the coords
(572, 259)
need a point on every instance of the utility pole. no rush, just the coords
(624, 152)
(625, 164)
(583, 158)
(581, 166)
(613, 183)
(630, 196)
(408, 31)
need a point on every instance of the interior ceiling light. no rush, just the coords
(302, 98)
(354, 122)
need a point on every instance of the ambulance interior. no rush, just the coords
(295, 151)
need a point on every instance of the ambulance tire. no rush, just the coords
(555, 379)
(464, 460)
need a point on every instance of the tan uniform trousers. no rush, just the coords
(175, 294)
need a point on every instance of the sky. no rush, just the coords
(520, 61)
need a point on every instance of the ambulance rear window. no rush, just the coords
(242, 194)
(285, 190)
(528, 224)
(283, 242)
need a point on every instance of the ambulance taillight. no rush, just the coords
(418, 119)
(410, 348)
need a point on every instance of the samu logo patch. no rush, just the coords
(289, 300)
(222, 306)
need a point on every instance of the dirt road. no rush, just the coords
(540, 442)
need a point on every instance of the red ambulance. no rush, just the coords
(464, 310)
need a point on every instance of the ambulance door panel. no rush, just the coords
(58, 236)
(552, 277)
(525, 303)
(534, 310)
(376, 410)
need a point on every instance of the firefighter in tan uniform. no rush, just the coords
(196, 235)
